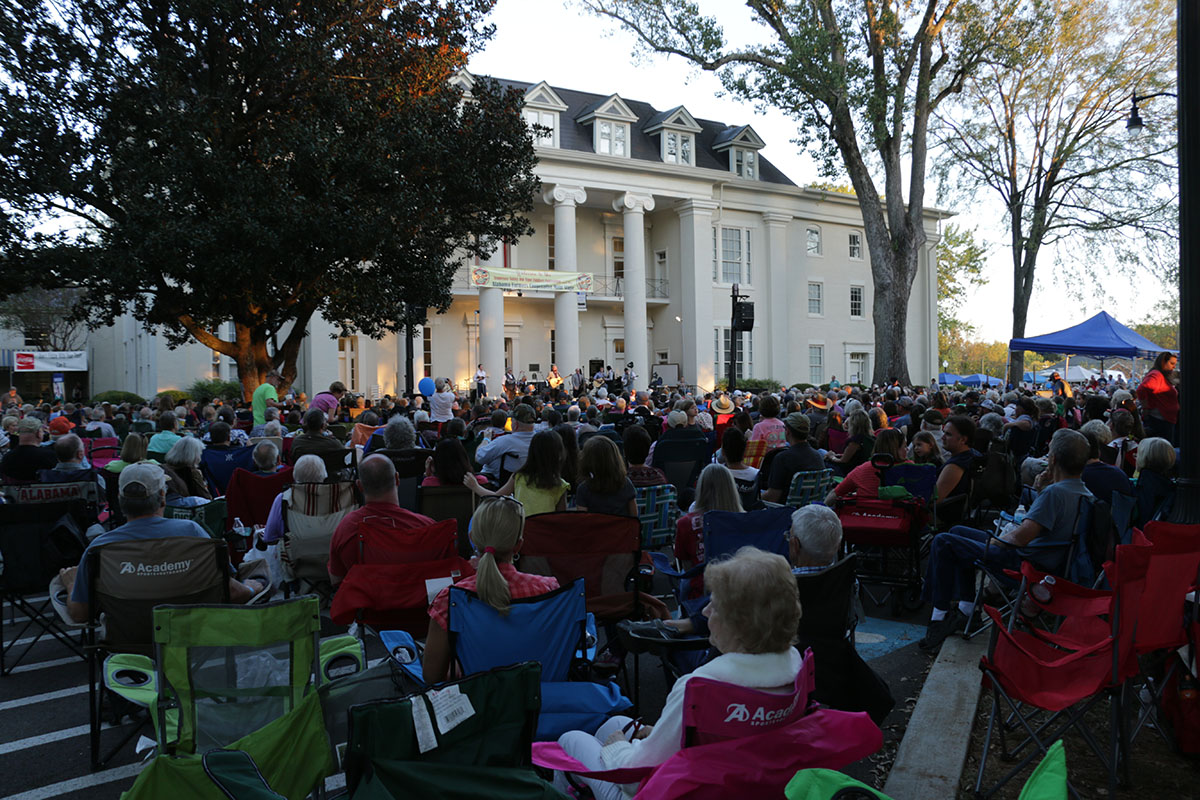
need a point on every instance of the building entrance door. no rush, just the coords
(858, 367)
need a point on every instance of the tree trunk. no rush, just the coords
(1024, 262)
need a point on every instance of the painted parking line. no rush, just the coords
(69, 787)
(57, 662)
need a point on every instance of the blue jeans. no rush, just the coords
(951, 571)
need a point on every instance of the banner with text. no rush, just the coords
(531, 280)
(50, 361)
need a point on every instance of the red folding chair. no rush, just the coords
(1044, 683)
(102, 450)
(248, 497)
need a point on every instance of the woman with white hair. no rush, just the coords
(1155, 486)
(308, 469)
(753, 614)
(186, 485)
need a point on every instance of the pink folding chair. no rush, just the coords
(740, 742)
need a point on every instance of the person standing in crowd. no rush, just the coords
(441, 405)
(481, 377)
(266, 396)
(1160, 398)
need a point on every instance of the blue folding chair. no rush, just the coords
(218, 465)
(725, 532)
(553, 629)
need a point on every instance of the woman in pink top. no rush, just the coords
(770, 426)
(496, 531)
(863, 480)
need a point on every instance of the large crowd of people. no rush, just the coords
(592, 446)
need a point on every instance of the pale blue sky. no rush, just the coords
(547, 40)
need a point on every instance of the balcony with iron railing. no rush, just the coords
(604, 287)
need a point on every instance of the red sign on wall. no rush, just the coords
(24, 361)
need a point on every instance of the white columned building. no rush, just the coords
(566, 305)
(633, 207)
(491, 329)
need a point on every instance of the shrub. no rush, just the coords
(177, 396)
(117, 397)
(204, 391)
(756, 385)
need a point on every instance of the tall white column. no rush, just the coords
(633, 208)
(774, 329)
(491, 328)
(566, 307)
(696, 290)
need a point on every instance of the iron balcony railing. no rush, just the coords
(602, 286)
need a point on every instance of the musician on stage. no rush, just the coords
(510, 383)
(481, 382)
(608, 373)
(629, 377)
(554, 380)
(577, 382)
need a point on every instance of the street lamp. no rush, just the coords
(1134, 124)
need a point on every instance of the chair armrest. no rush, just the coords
(662, 563)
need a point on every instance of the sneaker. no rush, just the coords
(939, 631)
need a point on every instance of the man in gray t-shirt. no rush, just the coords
(1054, 518)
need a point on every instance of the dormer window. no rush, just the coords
(541, 111)
(611, 138)
(610, 119)
(743, 145)
(676, 130)
(744, 163)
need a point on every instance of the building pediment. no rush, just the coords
(738, 136)
(542, 96)
(610, 108)
(463, 80)
(676, 118)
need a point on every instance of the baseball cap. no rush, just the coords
(61, 425)
(524, 414)
(797, 422)
(142, 480)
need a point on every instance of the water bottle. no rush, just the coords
(1019, 515)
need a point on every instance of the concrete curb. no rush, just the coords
(930, 760)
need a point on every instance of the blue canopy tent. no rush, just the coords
(948, 378)
(979, 379)
(1100, 336)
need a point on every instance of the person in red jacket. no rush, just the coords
(1159, 398)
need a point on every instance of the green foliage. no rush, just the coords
(176, 396)
(830, 186)
(202, 391)
(1163, 327)
(756, 385)
(118, 397)
(960, 263)
(260, 162)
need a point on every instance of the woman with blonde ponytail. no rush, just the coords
(496, 530)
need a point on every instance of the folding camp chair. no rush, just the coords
(463, 740)
(1044, 683)
(36, 541)
(249, 497)
(311, 513)
(887, 531)
(603, 549)
(553, 629)
(450, 502)
(218, 465)
(658, 511)
(756, 449)
(391, 587)
(682, 460)
(210, 516)
(740, 742)
(127, 580)
(410, 471)
(102, 450)
(78, 487)
(809, 487)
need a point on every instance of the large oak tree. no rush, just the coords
(201, 161)
(862, 79)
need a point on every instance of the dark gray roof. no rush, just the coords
(577, 136)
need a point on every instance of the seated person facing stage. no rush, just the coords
(132, 452)
(377, 480)
(143, 495)
(604, 486)
(637, 449)
(538, 485)
(1102, 479)
(448, 465)
(496, 529)
(166, 437)
(99, 424)
(753, 615)
(308, 469)
(798, 457)
(1053, 517)
(863, 480)
(859, 447)
(266, 458)
(508, 452)
(186, 485)
(314, 438)
(25, 458)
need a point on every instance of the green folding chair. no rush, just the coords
(210, 516)
(809, 487)
(658, 511)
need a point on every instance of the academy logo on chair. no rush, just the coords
(737, 713)
(155, 570)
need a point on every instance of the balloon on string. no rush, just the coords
(425, 386)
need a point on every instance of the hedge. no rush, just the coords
(116, 397)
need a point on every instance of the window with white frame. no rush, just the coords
(348, 362)
(542, 119)
(550, 246)
(553, 348)
(816, 299)
(745, 163)
(427, 351)
(678, 148)
(816, 364)
(618, 244)
(611, 138)
(856, 302)
(734, 256)
(722, 338)
(855, 245)
(812, 239)
(660, 265)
